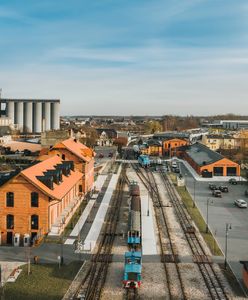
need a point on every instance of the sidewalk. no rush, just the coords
(78, 227)
(89, 243)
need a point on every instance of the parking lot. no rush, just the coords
(221, 211)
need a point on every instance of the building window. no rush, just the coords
(10, 222)
(10, 199)
(34, 222)
(34, 199)
(63, 156)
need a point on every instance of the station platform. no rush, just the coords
(89, 243)
(78, 227)
(148, 229)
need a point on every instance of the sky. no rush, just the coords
(127, 57)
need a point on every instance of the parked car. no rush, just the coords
(212, 186)
(101, 155)
(233, 181)
(240, 203)
(217, 193)
(110, 154)
(223, 189)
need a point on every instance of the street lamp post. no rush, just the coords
(207, 213)
(228, 227)
(194, 193)
(148, 212)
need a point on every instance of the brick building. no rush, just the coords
(81, 155)
(170, 146)
(39, 200)
(208, 162)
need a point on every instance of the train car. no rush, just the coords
(134, 223)
(134, 189)
(144, 161)
(132, 270)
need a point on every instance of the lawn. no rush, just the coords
(197, 218)
(46, 281)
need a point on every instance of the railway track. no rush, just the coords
(131, 294)
(168, 251)
(94, 280)
(200, 257)
(212, 281)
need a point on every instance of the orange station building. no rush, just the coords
(170, 146)
(81, 155)
(208, 162)
(39, 200)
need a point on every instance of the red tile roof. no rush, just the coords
(21, 146)
(77, 148)
(60, 190)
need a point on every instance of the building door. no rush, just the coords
(218, 171)
(231, 171)
(33, 237)
(9, 238)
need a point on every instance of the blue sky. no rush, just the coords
(127, 57)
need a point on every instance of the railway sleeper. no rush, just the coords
(202, 259)
(170, 258)
(103, 258)
(189, 228)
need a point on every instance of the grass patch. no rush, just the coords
(46, 281)
(197, 218)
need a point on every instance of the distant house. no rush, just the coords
(106, 136)
(208, 162)
(152, 147)
(219, 141)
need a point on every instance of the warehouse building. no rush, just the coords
(38, 200)
(31, 116)
(207, 162)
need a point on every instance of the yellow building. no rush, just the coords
(217, 141)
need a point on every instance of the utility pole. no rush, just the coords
(228, 227)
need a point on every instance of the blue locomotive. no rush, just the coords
(144, 161)
(132, 270)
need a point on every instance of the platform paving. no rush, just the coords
(88, 244)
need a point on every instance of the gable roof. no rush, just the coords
(80, 150)
(59, 190)
(202, 155)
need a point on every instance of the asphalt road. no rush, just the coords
(222, 211)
